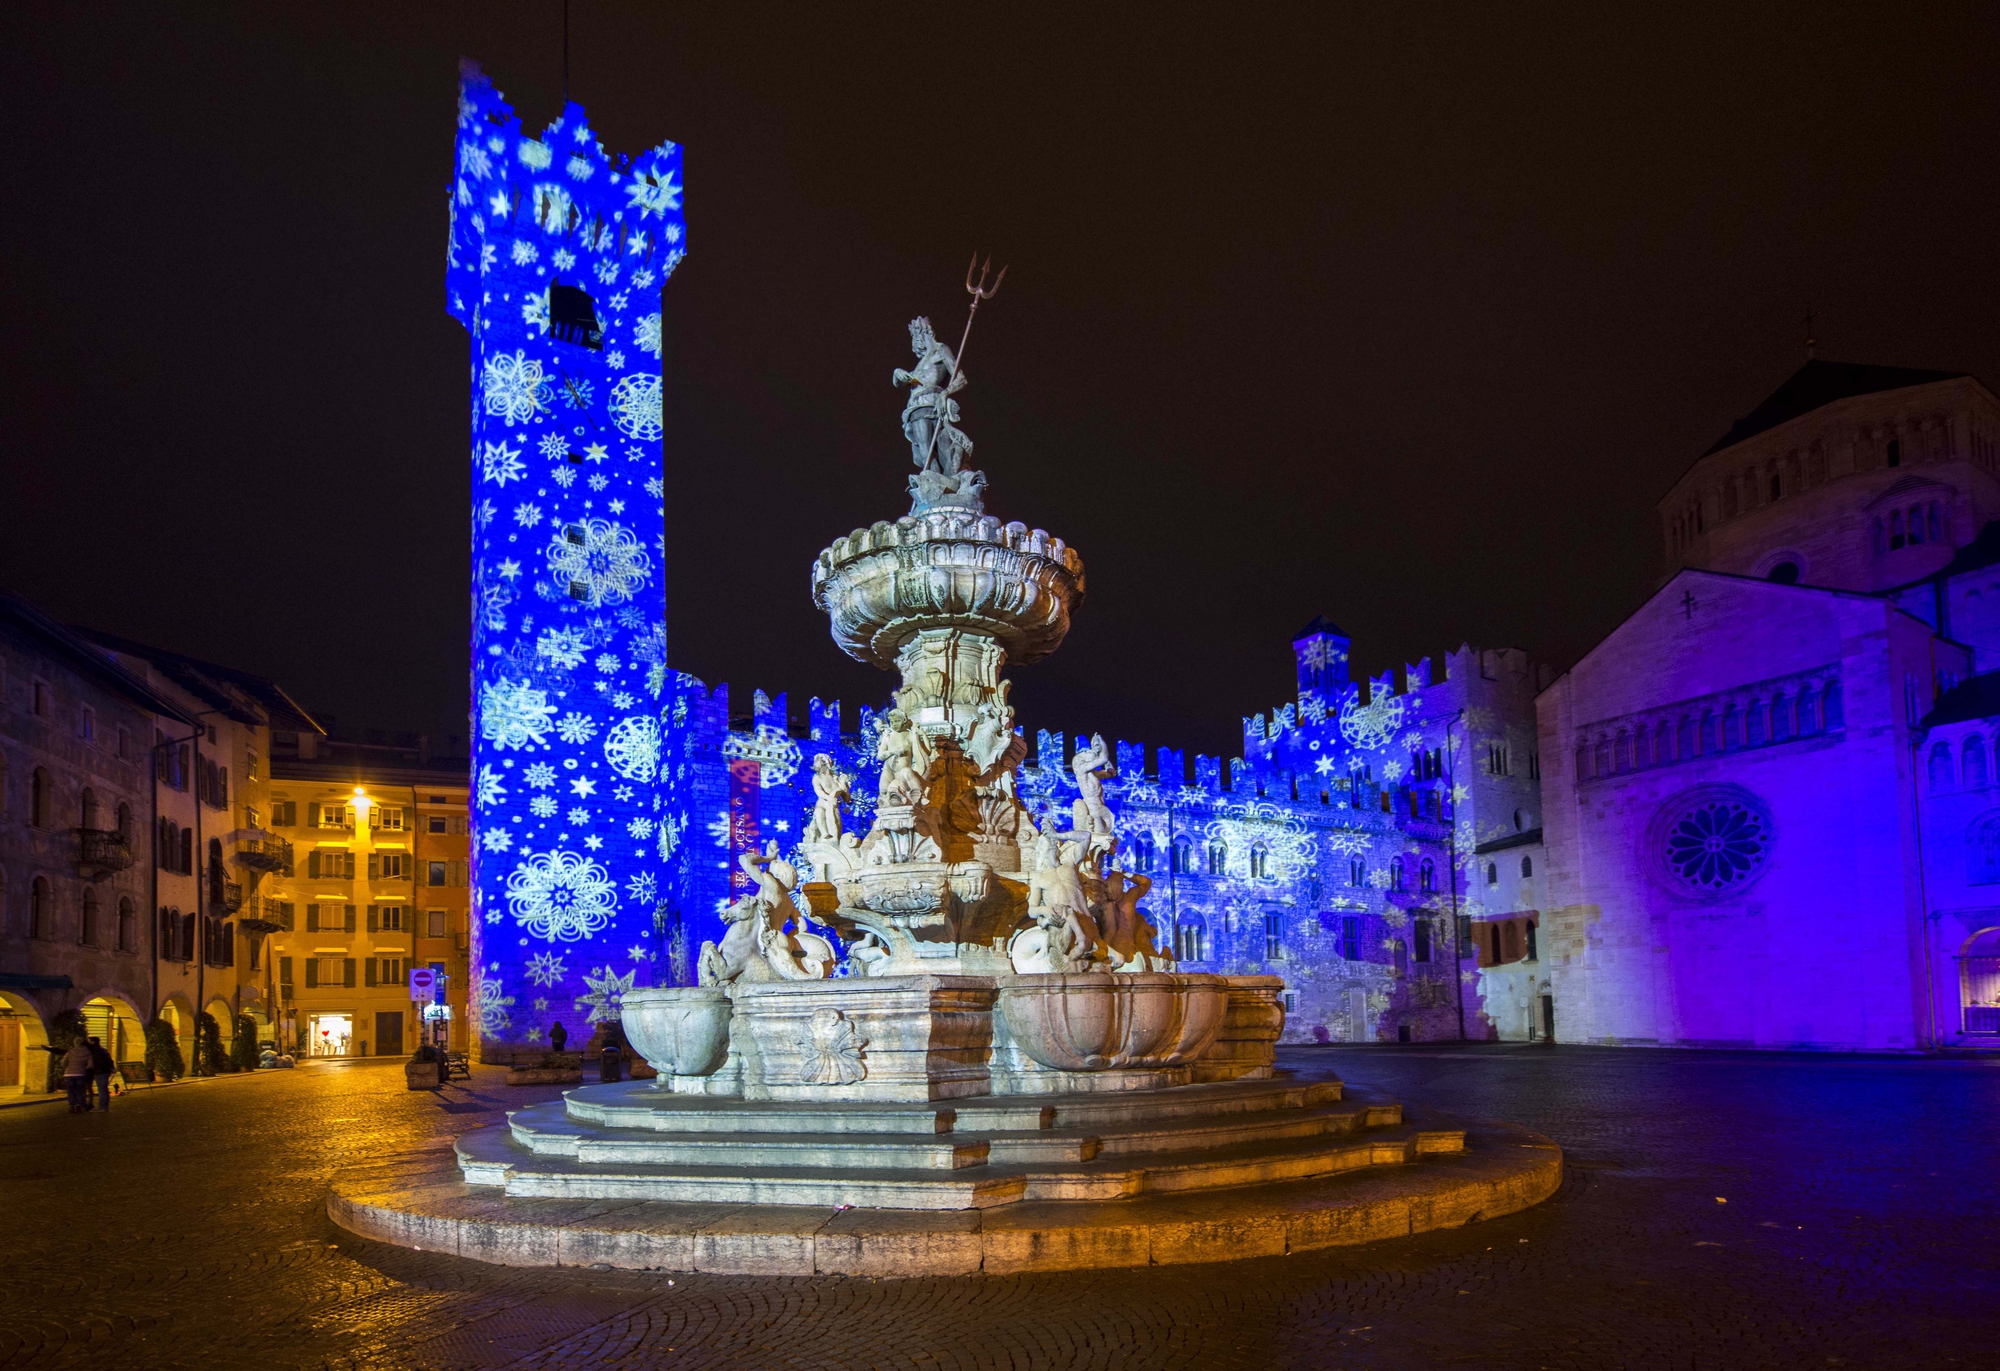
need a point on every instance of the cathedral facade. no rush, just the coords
(1769, 791)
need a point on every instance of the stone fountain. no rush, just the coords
(1004, 1070)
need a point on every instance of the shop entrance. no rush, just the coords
(332, 1035)
(389, 1033)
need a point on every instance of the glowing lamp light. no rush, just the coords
(361, 802)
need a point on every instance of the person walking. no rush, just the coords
(101, 1069)
(76, 1076)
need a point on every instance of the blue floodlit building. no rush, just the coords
(558, 254)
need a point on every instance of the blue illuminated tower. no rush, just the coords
(558, 253)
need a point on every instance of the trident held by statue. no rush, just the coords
(978, 292)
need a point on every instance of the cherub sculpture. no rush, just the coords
(1090, 813)
(830, 787)
(1131, 939)
(906, 758)
(757, 946)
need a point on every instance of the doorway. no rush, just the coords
(1548, 1018)
(389, 1033)
(332, 1034)
(1357, 1015)
(10, 1052)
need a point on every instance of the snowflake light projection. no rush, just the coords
(558, 251)
(1371, 725)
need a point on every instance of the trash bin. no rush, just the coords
(610, 1064)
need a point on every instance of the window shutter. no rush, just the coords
(187, 937)
(409, 819)
(347, 971)
(312, 918)
(368, 972)
(312, 973)
(374, 867)
(312, 864)
(285, 972)
(350, 929)
(347, 867)
(312, 814)
(373, 914)
(285, 915)
(223, 774)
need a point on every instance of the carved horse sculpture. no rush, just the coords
(757, 946)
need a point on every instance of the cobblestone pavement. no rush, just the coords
(187, 1229)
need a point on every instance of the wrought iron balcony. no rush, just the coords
(232, 896)
(101, 852)
(259, 916)
(264, 856)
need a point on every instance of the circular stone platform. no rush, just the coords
(1192, 1174)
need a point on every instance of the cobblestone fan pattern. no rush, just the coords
(188, 1229)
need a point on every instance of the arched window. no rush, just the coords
(1729, 734)
(1621, 752)
(1604, 756)
(128, 925)
(1218, 857)
(88, 807)
(1426, 876)
(125, 822)
(87, 932)
(1940, 767)
(1357, 872)
(1183, 856)
(1684, 740)
(187, 852)
(1781, 718)
(1707, 734)
(1402, 957)
(1935, 524)
(41, 912)
(1916, 524)
(1527, 866)
(1583, 761)
(1188, 940)
(1492, 873)
(1395, 873)
(1972, 758)
(1258, 859)
(1895, 530)
(1753, 724)
(1829, 706)
(40, 794)
(1982, 852)
(1142, 852)
(1878, 541)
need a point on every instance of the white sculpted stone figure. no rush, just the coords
(1065, 937)
(830, 787)
(757, 947)
(931, 416)
(1090, 813)
(906, 758)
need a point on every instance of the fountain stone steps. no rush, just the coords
(900, 1172)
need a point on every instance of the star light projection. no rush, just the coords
(558, 252)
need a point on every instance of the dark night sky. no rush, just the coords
(1405, 321)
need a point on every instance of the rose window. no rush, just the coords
(1717, 844)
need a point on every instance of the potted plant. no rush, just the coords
(425, 1069)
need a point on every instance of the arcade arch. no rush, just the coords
(22, 1038)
